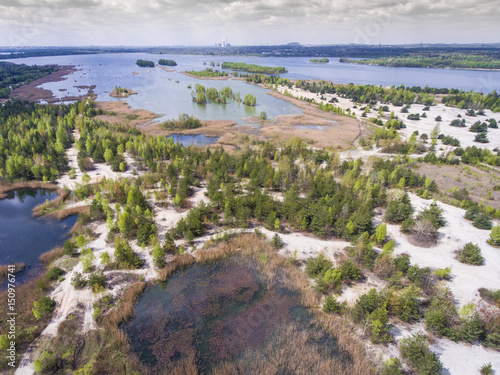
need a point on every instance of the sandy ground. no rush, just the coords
(424, 125)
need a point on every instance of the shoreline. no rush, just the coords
(421, 67)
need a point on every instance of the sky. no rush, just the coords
(246, 22)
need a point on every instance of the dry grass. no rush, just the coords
(51, 255)
(126, 308)
(179, 262)
(43, 208)
(4, 269)
(67, 212)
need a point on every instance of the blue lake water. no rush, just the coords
(311, 127)
(167, 93)
(23, 238)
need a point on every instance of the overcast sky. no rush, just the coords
(246, 22)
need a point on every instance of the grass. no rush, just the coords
(51, 255)
(4, 270)
(67, 212)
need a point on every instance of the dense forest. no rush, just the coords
(167, 62)
(434, 60)
(14, 75)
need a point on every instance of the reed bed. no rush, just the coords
(43, 208)
(179, 262)
(5, 188)
(67, 212)
(4, 269)
(51, 255)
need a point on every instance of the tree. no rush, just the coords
(471, 254)
(417, 353)
(159, 256)
(399, 210)
(380, 233)
(277, 242)
(44, 307)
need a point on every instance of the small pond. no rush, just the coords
(312, 127)
(198, 140)
(215, 313)
(23, 238)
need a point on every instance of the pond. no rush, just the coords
(198, 140)
(218, 313)
(23, 238)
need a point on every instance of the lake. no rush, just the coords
(199, 140)
(167, 93)
(23, 238)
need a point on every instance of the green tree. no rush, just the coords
(495, 236)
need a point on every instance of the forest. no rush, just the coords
(145, 63)
(15, 75)
(434, 60)
(167, 62)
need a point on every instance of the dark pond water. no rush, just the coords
(199, 140)
(215, 312)
(23, 238)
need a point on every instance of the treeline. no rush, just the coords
(252, 68)
(472, 100)
(145, 63)
(208, 72)
(167, 62)
(434, 60)
(372, 94)
(13, 76)
(221, 96)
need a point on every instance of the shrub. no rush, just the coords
(54, 273)
(350, 271)
(471, 254)
(276, 241)
(482, 221)
(486, 369)
(69, 248)
(44, 307)
(392, 366)
(434, 214)
(366, 304)
(421, 277)
(443, 273)
(403, 262)
(97, 281)
(124, 255)
(416, 351)
(317, 266)
(46, 363)
(78, 281)
(399, 210)
(331, 305)
(495, 236)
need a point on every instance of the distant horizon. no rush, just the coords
(248, 23)
(424, 44)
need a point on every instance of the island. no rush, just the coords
(167, 62)
(120, 92)
(252, 68)
(145, 63)
(324, 60)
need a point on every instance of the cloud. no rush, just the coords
(248, 21)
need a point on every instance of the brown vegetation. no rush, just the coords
(4, 269)
(67, 212)
(179, 262)
(5, 188)
(51, 255)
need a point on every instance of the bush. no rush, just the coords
(443, 273)
(331, 305)
(78, 281)
(44, 307)
(54, 273)
(416, 351)
(399, 210)
(366, 304)
(486, 369)
(125, 257)
(350, 271)
(392, 366)
(277, 242)
(97, 281)
(434, 214)
(69, 248)
(403, 262)
(317, 266)
(495, 236)
(471, 254)
(46, 363)
(482, 221)
(421, 277)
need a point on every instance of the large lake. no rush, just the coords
(167, 93)
(23, 238)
